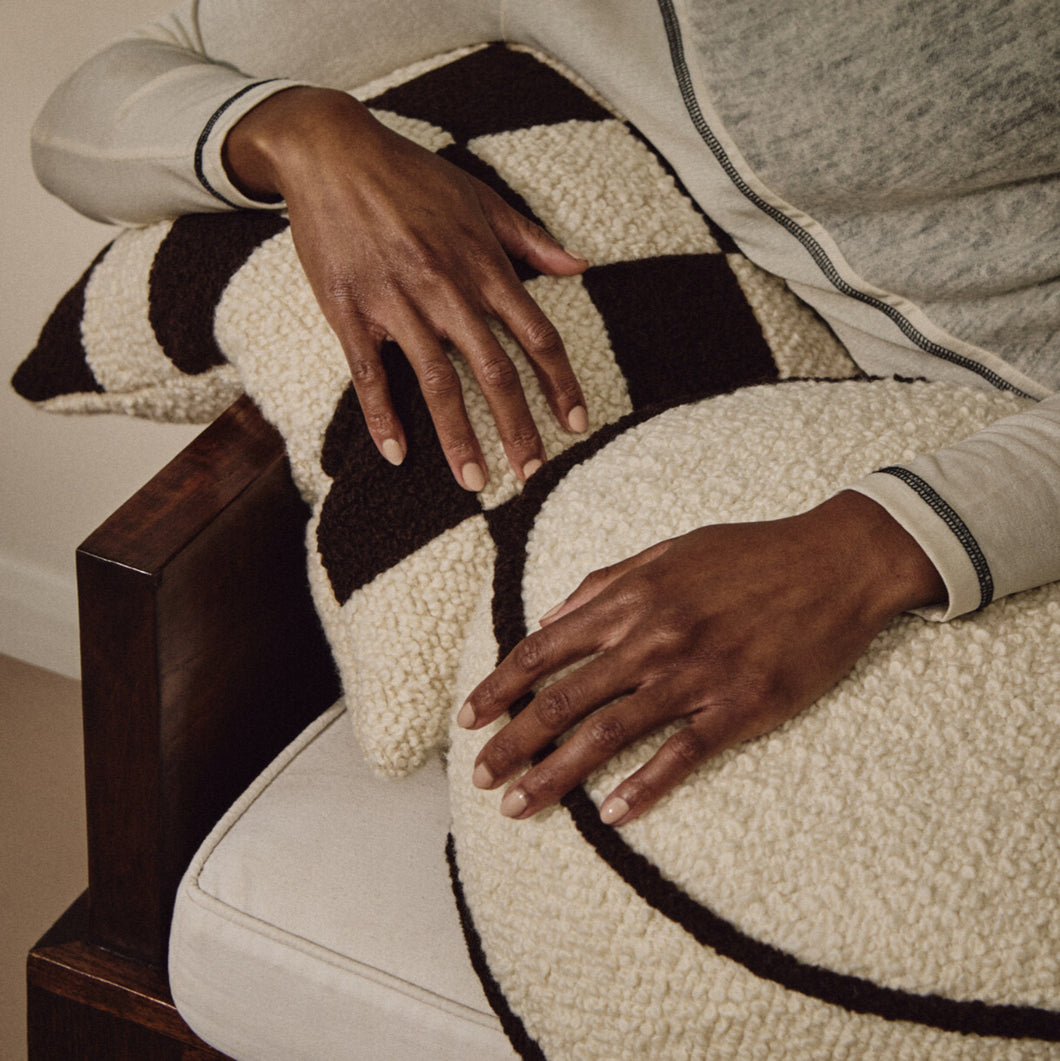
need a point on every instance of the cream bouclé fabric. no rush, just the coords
(878, 878)
(174, 318)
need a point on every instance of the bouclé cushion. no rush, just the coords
(878, 878)
(173, 319)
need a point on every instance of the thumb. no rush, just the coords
(526, 241)
(594, 584)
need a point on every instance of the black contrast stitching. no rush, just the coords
(200, 146)
(813, 248)
(957, 526)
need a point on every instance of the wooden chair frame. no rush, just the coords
(201, 659)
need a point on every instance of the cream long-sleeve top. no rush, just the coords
(896, 161)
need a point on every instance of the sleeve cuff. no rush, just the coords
(209, 165)
(941, 533)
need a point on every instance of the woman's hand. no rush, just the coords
(732, 628)
(398, 243)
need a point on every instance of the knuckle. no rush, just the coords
(554, 709)
(688, 747)
(758, 688)
(365, 371)
(541, 340)
(530, 654)
(606, 734)
(482, 257)
(422, 261)
(503, 755)
(459, 449)
(438, 379)
(486, 697)
(633, 592)
(567, 389)
(378, 421)
(523, 438)
(669, 639)
(498, 374)
(595, 578)
(542, 784)
(340, 290)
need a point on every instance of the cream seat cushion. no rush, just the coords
(302, 930)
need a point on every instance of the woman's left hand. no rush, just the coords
(733, 628)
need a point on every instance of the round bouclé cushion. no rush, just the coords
(878, 878)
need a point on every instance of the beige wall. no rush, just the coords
(59, 476)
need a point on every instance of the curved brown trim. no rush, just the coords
(511, 526)
(513, 1027)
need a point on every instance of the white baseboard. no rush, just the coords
(38, 617)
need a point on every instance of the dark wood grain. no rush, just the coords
(86, 1004)
(201, 658)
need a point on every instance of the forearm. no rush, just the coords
(121, 139)
(136, 134)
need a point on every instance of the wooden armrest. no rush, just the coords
(201, 656)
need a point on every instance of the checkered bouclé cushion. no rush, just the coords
(878, 878)
(173, 319)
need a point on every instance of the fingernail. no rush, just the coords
(578, 420)
(393, 451)
(530, 467)
(482, 778)
(552, 611)
(474, 477)
(514, 803)
(466, 718)
(614, 809)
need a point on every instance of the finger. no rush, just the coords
(373, 393)
(598, 739)
(521, 315)
(544, 349)
(551, 713)
(707, 734)
(591, 621)
(537, 656)
(524, 240)
(502, 388)
(444, 397)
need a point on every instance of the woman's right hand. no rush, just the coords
(398, 243)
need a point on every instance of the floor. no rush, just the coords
(42, 824)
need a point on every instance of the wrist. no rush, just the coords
(895, 572)
(281, 139)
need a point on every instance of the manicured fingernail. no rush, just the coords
(393, 451)
(514, 803)
(552, 611)
(474, 477)
(466, 718)
(482, 778)
(530, 467)
(578, 420)
(614, 809)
